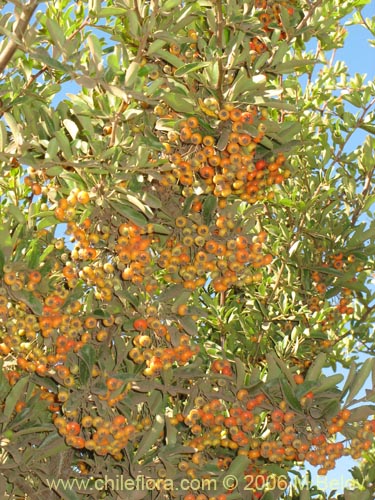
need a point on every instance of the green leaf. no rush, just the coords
(29, 299)
(305, 494)
(133, 23)
(150, 438)
(112, 11)
(151, 200)
(88, 358)
(155, 46)
(360, 379)
(189, 325)
(273, 103)
(281, 50)
(240, 373)
(330, 382)
(73, 130)
(4, 384)
(46, 252)
(31, 430)
(3, 136)
(181, 298)
(33, 254)
(17, 214)
(45, 382)
(5, 241)
(99, 313)
(171, 292)
(315, 369)
(236, 469)
(368, 127)
(209, 207)
(56, 33)
(156, 402)
(289, 66)
(361, 413)
(51, 446)
(171, 433)
(289, 130)
(48, 222)
(357, 495)
(52, 154)
(272, 358)
(350, 378)
(14, 127)
(134, 200)
(129, 212)
(171, 4)
(43, 56)
(125, 297)
(289, 395)
(132, 73)
(13, 397)
(64, 144)
(169, 58)
(179, 103)
(243, 84)
(190, 67)
(160, 229)
(274, 371)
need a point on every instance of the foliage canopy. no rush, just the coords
(186, 243)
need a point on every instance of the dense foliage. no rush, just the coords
(186, 246)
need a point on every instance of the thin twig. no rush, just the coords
(19, 30)
(365, 24)
(362, 198)
(359, 122)
(309, 14)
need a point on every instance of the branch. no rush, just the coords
(337, 157)
(309, 14)
(19, 30)
(365, 24)
(364, 194)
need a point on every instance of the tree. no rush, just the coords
(186, 243)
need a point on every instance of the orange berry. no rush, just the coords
(20, 405)
(182, 309)
(235, 114)
(185, 134)
(298, 379)
(73, 428)
(345, 414)
(140, 324)
(196, 138)
(83, 197)
(36, 189)
(192, 122)
(208, 140)
(223, 114)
